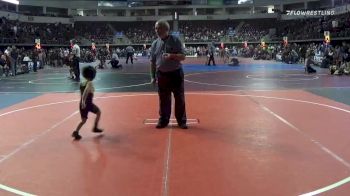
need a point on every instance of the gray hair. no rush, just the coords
(163, 23)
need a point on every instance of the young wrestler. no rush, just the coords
(86, 102)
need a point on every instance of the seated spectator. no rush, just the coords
(115, 61)
(309, 62)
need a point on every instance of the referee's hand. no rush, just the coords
(167, 56)
(153, 81)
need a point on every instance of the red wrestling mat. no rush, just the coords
(247, 143)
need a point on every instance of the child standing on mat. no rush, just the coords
(86, 105)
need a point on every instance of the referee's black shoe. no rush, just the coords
(183, 126)
(161, 125)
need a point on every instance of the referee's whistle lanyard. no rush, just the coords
(165, 42)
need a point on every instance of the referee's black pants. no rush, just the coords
(171, 82)
(131, 56)
(76, 68)
(211, 58)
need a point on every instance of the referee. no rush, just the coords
(130, 54)
(167, 52)
(76, 59)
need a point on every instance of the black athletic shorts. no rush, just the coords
(89, 108)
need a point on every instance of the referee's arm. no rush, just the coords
(153, 66)
(177, 57)
(153, 71)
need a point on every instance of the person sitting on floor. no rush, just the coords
(115, 61)
(308, 63)
(233, 62)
